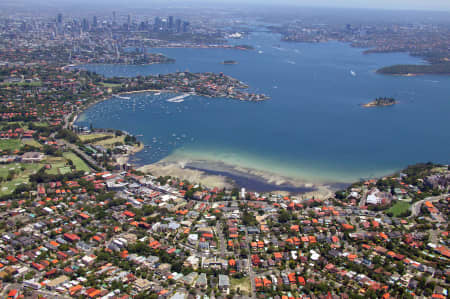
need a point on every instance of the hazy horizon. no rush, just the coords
(433, 5)
(376, 4)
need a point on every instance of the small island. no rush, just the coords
(229, 62)
(380, 102)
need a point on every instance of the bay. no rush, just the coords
(313, 128)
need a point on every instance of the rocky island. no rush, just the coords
(380, 102)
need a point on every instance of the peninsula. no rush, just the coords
(380, 102)
(203, 84)
(131, 58)
(442, 68)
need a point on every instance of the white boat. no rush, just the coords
(157, 94)
(352, 72)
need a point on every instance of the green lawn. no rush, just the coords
(32, 142)
(65, 170)
(60, 166)
(30, 84)
(56, 163)
(7, 187)
(110, 84)
(111, 141)
(93, 136)
(24, 125)
(4, 169)
(399, 208)
(243, 284)
(77, 161)
(17, 167)
(41, 124)
(10, 123)
(10, 144)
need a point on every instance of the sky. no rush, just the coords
(386, 4)
(439, 5)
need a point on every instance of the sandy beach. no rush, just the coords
(194, 176)
(218, 174)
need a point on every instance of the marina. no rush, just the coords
(179, 99)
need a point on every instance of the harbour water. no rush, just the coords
(313, 128)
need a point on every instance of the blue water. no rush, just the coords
(312, 128)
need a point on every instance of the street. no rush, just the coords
(415, 208)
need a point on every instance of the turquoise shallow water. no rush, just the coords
(312, 128)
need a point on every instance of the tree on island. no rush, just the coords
(384, 101)
(381, 101)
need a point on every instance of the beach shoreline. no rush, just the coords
(219, 174)
(79, 112)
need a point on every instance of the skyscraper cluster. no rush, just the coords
(168, 24)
